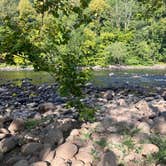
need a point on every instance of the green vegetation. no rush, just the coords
(85, 32)
(160, 141)
(62, 36)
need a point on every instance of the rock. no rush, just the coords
(1, 121)
(77, 163)
(4, 131)
(43, 154)
(149, 149)
(108, 159)
(144, 109)
(1, 156)
(140, 137)
(66, 150)
(122, 102)
(108, 95)
(13, 160)
(58, 162)
(68, 124)
(8, 144)
(21, 163)
(49, 156)
(144, 127)
(31, 148)
(84, 154)
(16, 125)
(159, 125)
(46, 107)
(3, 135)
(39, 163)
(54, 136)
(74, 132)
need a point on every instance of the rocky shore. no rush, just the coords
(38, 129)
(95, 68)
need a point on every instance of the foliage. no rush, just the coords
(63, 36)
(161, 143)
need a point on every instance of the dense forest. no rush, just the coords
(85, 32)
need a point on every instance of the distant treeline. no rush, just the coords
(103, 32)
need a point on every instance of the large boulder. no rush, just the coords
(16, 125)
(54, 136)
(85, 154)
(31, 148)
(66, 150)
(144, 109)
(8, 144)
(149, 149)
(21, 163)
(57, 161)
(108, 159)
(40, 163)
(159, 125)
(144, 127)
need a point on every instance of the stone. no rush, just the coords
(39, 163)
(159, 125)
(108, 159)
(66, 150)
(50, 156)
(144, 109)
(84, 154)
(74, 132)
(16, 125)
(1, 121)
(46, 107)
(46, 150)
(58, 162)
(54, 136)
(1, 156)
(140, 137)
(8, 144)
(31, 148)
(4, 131)
(144, 127)
(149, 149)
(77, 163)
(14, 159)
(108, 95)
(21, 163)
(2, 135)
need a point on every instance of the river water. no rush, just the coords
(105, 78)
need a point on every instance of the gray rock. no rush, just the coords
(8, 144)
(54, 136)
(31, 148)
(108, 159)
(159, 125)
(46, 107)
(21, 163)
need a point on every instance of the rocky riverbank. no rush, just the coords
(38, 129)
(96, 68)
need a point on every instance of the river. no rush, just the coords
(104, 78)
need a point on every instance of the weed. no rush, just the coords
(102, 142)
(161, 143)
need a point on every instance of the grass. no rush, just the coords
(32, 123)
(160, 141)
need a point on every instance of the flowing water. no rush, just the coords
(104, 78)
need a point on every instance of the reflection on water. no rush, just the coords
(149, 78)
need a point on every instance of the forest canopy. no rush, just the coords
(86, 32)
